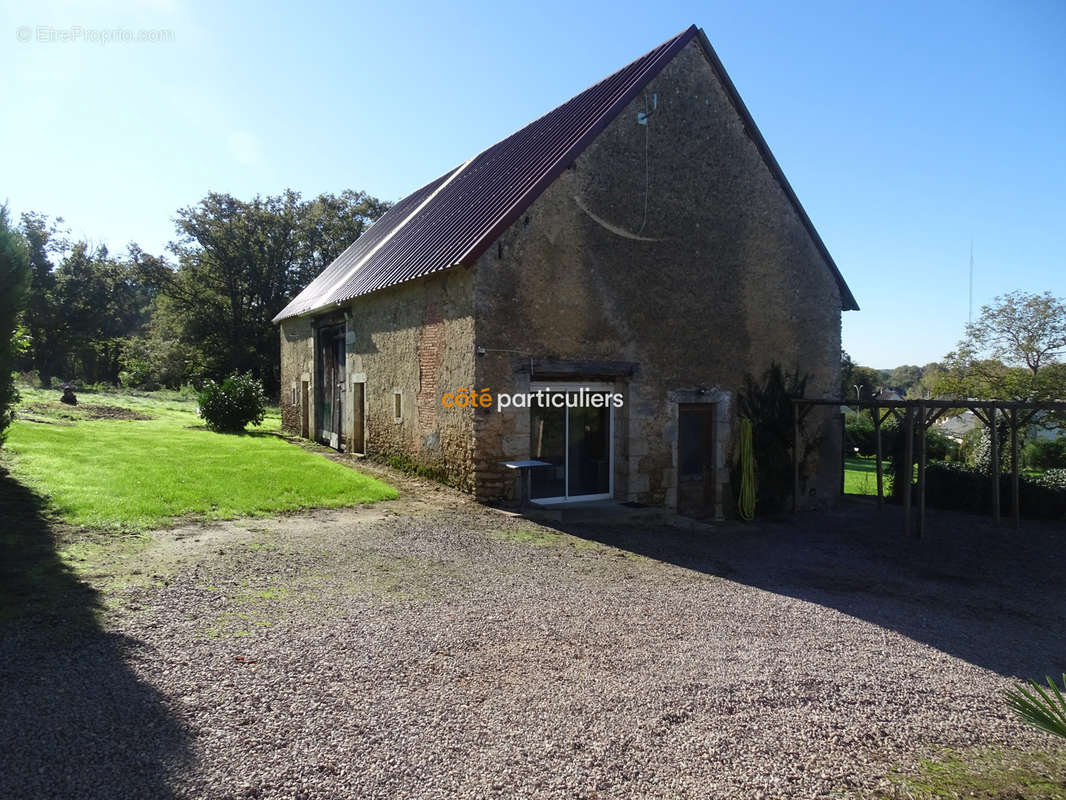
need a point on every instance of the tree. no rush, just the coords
(1011, 352)
(44, 318)
(1019, 329)
(926, 386)
(904, 377)
(14, 282)
(847, 367)
(327, 226)
(79, 313)
(868, 380)
(240, 262)
(102, 303)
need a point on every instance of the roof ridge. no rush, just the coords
(453, 219)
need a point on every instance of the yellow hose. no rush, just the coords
(746, 500)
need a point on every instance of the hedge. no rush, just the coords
(959, 487)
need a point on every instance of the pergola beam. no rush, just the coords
(1018, 413)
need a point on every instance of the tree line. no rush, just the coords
(1012, 351)
(201, 310)
(73, 311)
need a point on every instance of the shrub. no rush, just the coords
(1053, 479)
(234, 404)
(1046, 454)
(959, 487)
(940, 447)
(152, 362)
(768, 404)
(982, 453)
(1041, 707)
(972, 441)
(859, 433)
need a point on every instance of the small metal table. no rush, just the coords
(525, 479)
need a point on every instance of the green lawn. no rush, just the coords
(860, 475)
(123, 473)
(990, 774)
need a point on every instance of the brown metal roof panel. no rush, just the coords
(483, 197)
(455, 218)
(317, 294)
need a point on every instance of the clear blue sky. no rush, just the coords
(907, 129)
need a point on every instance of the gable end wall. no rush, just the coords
(717, 278)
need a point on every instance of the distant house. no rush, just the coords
(959, 425)
(638, 241)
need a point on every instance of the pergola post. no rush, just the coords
(995, 462)
(1015, 468)
(921, 470)
(908, 467)
(1016, 414)
(795, 457)
(880, 478)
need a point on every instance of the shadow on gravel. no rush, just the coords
(74, 719)
(992, 596)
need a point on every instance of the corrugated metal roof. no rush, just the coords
(453, 219)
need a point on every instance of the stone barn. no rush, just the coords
(608, 274)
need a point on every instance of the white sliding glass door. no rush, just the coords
(574, 435)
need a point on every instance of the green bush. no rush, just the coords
(959, 487)
(151, 362)
(234, 404)
(1046, 454)
(768, 404)
(940, 447)
(859, 434)
(1042, 707)
(1053, 479)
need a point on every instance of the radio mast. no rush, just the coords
(970, 318)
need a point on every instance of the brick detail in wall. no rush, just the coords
(430, 357)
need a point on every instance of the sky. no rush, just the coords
(908, 130)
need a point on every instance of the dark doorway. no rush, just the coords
(305, 410)
(329, 387)
(358, 427)
(695, 459)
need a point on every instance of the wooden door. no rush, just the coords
(305, 410)
(695, 459)
(358, 426)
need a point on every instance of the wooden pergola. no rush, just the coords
(923, 413)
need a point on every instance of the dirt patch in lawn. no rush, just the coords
(51, 412)
(114, 412)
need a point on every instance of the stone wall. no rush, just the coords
(297, 363)
(670, 245)
(415, 341)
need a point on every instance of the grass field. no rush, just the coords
(138, 461)
(860, 475)
(987, 773)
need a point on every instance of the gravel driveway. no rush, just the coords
(441, 650)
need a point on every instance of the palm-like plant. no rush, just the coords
(1045, 709)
